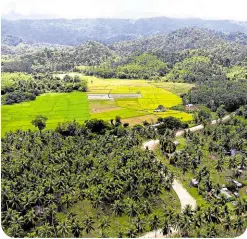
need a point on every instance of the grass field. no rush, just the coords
(57, 107)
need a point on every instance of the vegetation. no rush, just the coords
(73, 164)
(106, 30)
(145, 66)
(57, 107)
(213, 94)
(195, 69)
(73, 157)
(18, 87)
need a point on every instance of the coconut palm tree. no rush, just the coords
(63, 229)
(146, 208)
(184, 226)
(166, 228)
(76, 229)
(117, 208)
(212, 230)
(45, 231)
(238, 225)
(132, 209)
(187, 211)
(154, 223)
(15, 230)
(219, 166)
(104, 224)
(131, 233)
(139, 224)
(243, 163)
(227, 223)
(88, 224)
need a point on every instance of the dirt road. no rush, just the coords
(184, 197)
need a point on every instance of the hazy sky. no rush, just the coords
(206, 9)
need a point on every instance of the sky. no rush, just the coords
(71, 9)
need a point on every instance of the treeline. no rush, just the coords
(178, 45)
(213, 94)
(145, 66)
(17, 87)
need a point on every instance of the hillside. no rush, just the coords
(54, 58)
(174, 46)
(78, 31)
(221, 48)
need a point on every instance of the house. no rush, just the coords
(226, 193)
(189, 105)
(236, 194)
(194, 182)
(176, 143)
(237, 184)
(156, 125)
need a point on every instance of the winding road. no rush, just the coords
(184, 197)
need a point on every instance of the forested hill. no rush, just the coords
(78, 31)
(226, 49)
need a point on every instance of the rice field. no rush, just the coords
(59, 107)
(134, 109)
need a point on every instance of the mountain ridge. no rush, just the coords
(106, 30)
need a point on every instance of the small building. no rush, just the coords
(234, 203)
(233, 152)
(236, 194)
(241, 168)
(156, 125)
(213, 192)
(194, 182)
(237, 184)
(226, 193)
(176, 143)
(189, 105)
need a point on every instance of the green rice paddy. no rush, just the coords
(57, 107)
(60, 107)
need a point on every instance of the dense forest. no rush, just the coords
(171, 48)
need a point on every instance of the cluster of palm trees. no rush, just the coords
(45, 172)
(218, 141)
